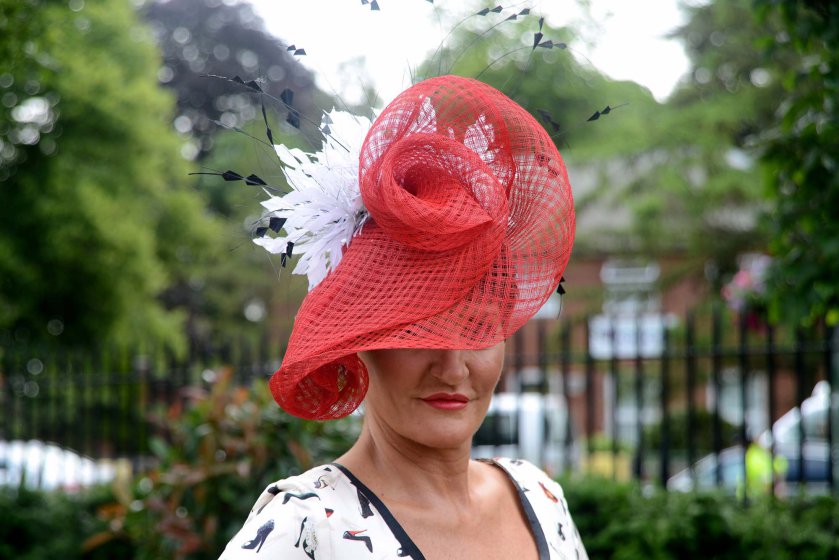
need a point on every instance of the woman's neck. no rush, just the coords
(402, 471)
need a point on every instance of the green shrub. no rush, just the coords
(619, 522)
(702, 430)
(220, 451)
(49, 525)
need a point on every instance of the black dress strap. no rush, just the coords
(411, 550)
(408, 549)
(532, 519)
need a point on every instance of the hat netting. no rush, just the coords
(471, 226)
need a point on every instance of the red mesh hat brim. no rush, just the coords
(471, 226)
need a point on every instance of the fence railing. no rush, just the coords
(643, 397)
(711, 383)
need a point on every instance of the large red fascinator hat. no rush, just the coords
(467, 227)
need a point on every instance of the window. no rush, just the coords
(631, 288)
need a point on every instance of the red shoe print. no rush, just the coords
(354, 536)
(549, 494)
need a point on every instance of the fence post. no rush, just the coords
(800, 396)
(613, 412)
(108, 380)
(664, 472)
(30, 394)
(5, 394)
(770, 380)
(73, 401)
(565, 366)
(716, 373)
(743, 361)
(541, 357)
(87, 378)
(144, 399)
(833, 384)
(690, 356)
(52, 377)
(264, 360)
(589, 393)
(17, 380)
(639, 402)
(122, 393)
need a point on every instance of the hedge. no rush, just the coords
(620, 522)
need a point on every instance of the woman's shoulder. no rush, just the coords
(547, 503)
(535, 483)
(310, 485)
(288, 516)
(522, 471)
(320, 514)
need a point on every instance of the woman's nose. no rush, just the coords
(450, 366)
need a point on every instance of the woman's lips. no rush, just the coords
(446, 401)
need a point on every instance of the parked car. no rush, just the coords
(786, 434)
(786, 430)
(529, 426)
(39, 465)
(730, 467)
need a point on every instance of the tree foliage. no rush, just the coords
(96, 221)
(703, 187)
(198, 38)
(762, 96)
(802, 155)
(244, 290)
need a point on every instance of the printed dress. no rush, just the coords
(328, 514)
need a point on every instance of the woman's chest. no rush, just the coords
(506, 539)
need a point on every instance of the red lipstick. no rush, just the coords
(446, 401)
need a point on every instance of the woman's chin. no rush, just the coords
(444, 438)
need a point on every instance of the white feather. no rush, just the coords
(324, 208)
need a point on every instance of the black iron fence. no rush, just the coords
(639, 397)
(109, 403)
(651, 396)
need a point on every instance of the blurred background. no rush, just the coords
(686, 395)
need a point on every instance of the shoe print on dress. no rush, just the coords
(357, 536)
(306, 538)
(366, 511)
(305, 496)
(261, 535)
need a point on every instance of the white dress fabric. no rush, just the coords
(326, 513)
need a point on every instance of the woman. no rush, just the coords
(456, 232)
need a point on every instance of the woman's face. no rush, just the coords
(435, 398)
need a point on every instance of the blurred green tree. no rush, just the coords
(205, 37)
(96, 219)
(245, 292)
(712, 174)
(802, 156)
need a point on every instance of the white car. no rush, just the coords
(39, 465)
(786, 431)
(731, 471)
